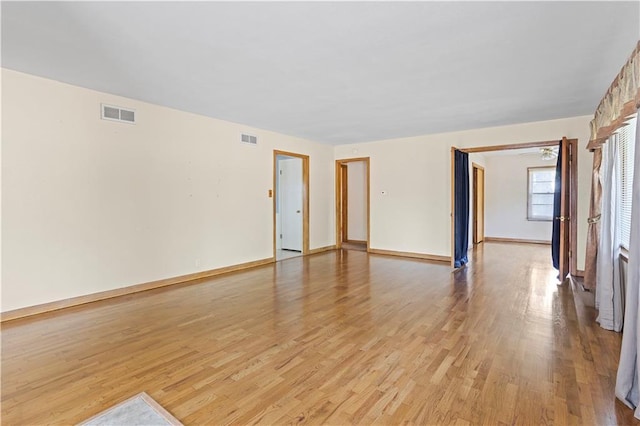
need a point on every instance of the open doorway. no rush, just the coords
(521, 212)
(290, 205)
(478, 204)
(352, 204)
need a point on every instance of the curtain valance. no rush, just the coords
(621, 100)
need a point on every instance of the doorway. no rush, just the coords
(352, 203)
(290, 205)
(566, 219)
(478, 203)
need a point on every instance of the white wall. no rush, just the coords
(91, 205)
(415, 172)
(506, 197)
(357, 200)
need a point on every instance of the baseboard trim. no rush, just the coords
(322, 249)
(94, 297)
(515, 240)
(423, 256)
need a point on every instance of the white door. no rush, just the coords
(291, 203)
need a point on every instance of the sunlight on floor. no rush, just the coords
(544, 287)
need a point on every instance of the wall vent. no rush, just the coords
(250, 139)
(115, 113)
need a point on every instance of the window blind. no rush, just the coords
(626, 147)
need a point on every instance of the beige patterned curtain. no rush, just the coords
(593, 233)
(621, 101)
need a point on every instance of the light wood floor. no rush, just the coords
(336, 338)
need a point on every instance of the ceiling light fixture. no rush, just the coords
(548, 154)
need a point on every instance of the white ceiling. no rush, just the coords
(334, 72)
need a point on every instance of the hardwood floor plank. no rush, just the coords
(335, 338)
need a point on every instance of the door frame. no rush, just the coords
(475, 167)
(305, 198)
(342, 212)
(344, 187)
(572, 145)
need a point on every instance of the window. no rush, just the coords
(626, 137)
(542, 182)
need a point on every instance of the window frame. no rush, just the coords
(530, 217)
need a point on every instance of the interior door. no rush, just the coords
(478, 204)
(565, 207)
(291, 203)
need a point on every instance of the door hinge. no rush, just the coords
(280, 172)
(570, 253)
(280, 236)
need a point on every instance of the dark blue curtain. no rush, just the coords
(461, 199)
(557, 199)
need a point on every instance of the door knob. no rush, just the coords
(297, 211)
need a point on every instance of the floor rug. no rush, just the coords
(139, 410)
